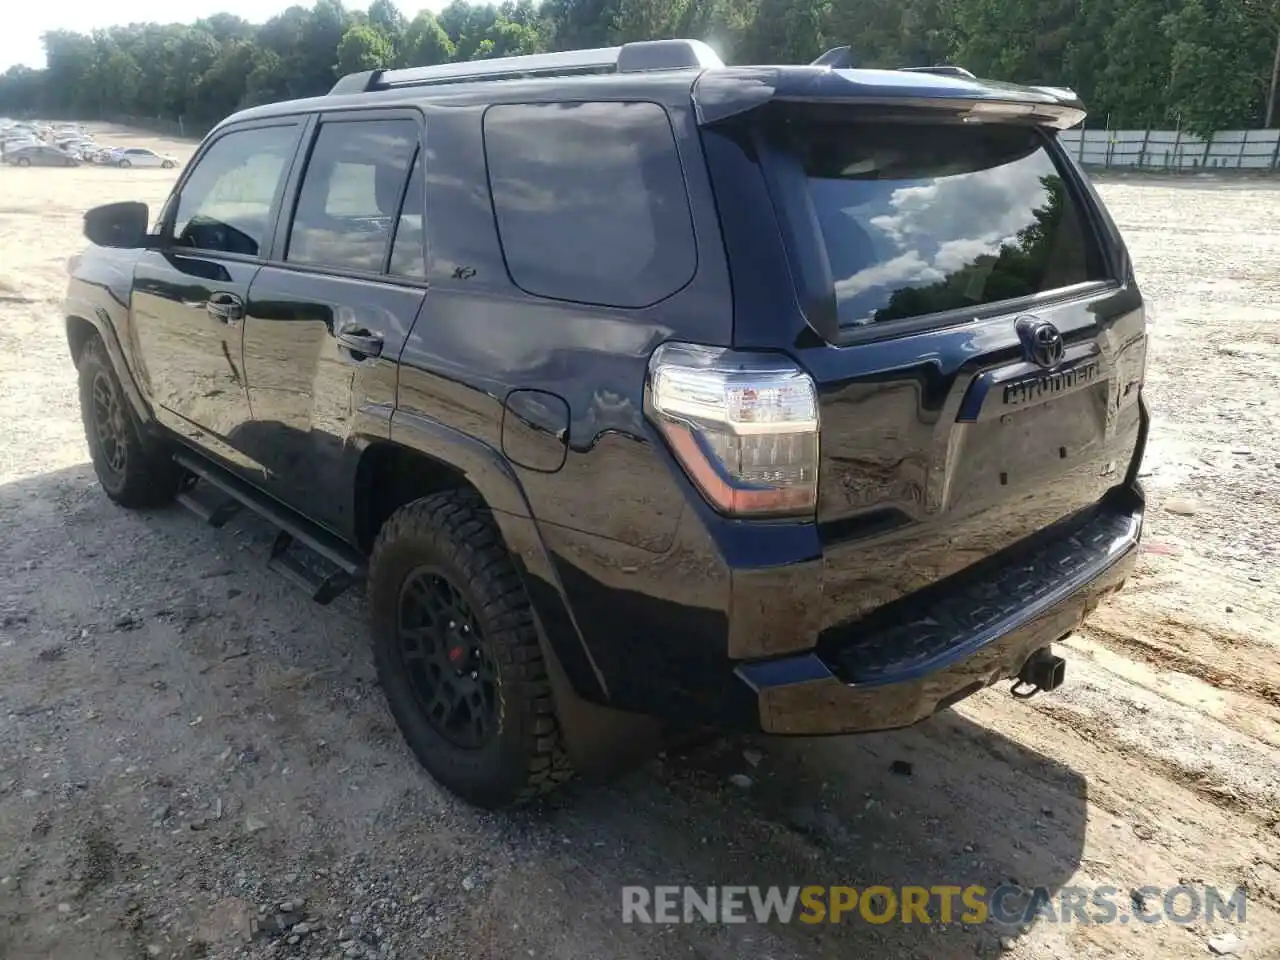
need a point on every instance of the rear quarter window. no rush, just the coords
(919, 219)
(590, 201)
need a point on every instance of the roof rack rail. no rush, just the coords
(946, 69)
(637, 57)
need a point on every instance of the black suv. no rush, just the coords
(643, 392)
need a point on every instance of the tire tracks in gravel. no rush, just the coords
(1180, 827)
(1227, 767)
(1244, 661)
(1098, 731)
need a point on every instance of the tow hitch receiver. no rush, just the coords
(1042, 671)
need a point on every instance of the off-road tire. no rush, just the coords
(454, 533)
(148, 476)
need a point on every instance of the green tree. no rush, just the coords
(1130, 78)
(1013, 41)
(1219, 62)
(386, 17)
(892, 33)
(785, 31)
(224, 85)
(363, 47)
(425, 43)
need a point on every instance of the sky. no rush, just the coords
(26, 20)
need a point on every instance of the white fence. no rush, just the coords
(1175, 149)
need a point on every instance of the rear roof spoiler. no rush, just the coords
(726, 92)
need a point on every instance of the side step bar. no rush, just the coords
(214, 514)
(294, 529)
(322, 587)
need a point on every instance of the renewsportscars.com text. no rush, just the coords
(940, 903)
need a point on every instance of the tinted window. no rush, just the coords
(226, 202)
(351, 193)
(407, 250)
(919, 219)
(590, 201)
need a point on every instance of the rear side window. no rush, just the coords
(590, 201)
(919, 219)
(351, 194)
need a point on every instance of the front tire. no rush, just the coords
(457, 653)
(168, 164)
(133, 473)
(24, 162)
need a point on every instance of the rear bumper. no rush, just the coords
(914, 658)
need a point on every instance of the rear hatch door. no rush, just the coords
(967, 311)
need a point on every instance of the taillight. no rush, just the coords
(743, 425)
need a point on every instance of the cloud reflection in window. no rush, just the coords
(923, 219)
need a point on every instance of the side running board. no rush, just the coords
(333, 565)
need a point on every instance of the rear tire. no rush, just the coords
(24, 162)
(125, 164)
(133, 473)
(457, 653)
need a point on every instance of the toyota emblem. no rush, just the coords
(1041, 341)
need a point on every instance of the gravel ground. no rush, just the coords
(195, 761)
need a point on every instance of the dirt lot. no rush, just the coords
(186, 742)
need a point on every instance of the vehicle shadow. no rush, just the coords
(945, 803)
(190, 625)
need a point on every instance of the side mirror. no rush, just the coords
(117, 224)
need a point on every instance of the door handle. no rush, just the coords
(225, 307)
(361, 341)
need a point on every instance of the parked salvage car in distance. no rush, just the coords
(17, 143)
(40, 155)
(76, 145)
(142, 157)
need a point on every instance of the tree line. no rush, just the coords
(1201, 64)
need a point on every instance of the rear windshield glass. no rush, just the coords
(920, 219)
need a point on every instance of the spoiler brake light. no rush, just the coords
(1054, 115)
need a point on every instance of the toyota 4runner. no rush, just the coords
(641, 391)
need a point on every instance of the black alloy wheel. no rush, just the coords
(445, 657)
(109, 423)
(135, 470)
(456, 646)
